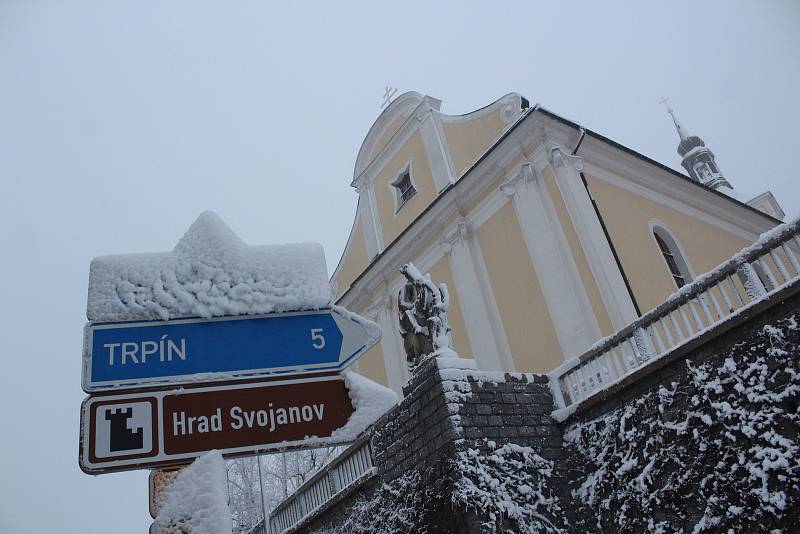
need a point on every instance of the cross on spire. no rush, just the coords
(681, 131)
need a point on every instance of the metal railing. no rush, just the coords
(348, 469)
(260, 528)
(766, 266)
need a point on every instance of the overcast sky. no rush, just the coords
(121, 121)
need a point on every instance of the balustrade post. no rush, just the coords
(644, 345)
(331, 482)
(558, 392)
(752, 283)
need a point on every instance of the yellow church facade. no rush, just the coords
(549, 236)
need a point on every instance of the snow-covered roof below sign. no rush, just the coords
(209, 273)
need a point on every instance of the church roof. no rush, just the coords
(651, 161)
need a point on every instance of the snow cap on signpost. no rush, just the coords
(218, 304)
(209, 273)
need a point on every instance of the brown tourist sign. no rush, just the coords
(175, 426)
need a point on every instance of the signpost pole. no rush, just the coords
(284, 475)
(261, 492)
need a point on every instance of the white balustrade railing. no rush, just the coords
(259, 528)
(353, 465)
(768, 265)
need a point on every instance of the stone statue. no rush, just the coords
(422, 308)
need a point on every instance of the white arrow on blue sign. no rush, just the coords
(130, 354)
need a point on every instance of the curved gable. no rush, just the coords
(412, 136)
(354, 258)
(470, 135)
(386, 125)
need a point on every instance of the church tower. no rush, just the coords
(698, 160)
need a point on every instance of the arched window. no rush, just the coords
(676, 263)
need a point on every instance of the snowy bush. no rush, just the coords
(403, 505)
(508, 487)
(717, 451)
(493, 489)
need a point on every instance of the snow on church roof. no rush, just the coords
(210, 272)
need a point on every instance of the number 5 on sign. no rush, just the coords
(316, 335)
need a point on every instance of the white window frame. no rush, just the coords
(394, 185)
(681, 259)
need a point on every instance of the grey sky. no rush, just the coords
(121, 121)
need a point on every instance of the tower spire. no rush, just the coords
(698, 160)
(678, 126)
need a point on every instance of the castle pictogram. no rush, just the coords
(122, 437)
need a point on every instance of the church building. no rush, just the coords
(548, 235)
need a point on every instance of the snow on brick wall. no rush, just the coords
(209, 273)
(448, 459)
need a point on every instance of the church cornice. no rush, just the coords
(646, 162)
(669, 187)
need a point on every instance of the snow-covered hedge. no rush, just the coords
(717, 451)
(510, 488)
(484, 488)
(406, 504)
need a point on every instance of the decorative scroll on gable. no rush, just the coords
(469, 136)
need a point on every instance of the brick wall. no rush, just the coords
(446, 407)
(416, 431)
(504, 408)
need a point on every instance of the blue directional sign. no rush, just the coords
(131, 354)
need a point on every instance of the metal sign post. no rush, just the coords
(157, 484)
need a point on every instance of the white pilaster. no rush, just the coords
(373, 232)
(591, 236)
(438, 159)
(384, 313)
(481, 316)
(563, 290)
